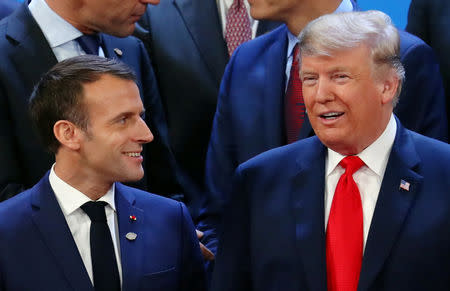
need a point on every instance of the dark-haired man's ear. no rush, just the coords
(68, 134)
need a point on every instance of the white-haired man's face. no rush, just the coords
(347, 106)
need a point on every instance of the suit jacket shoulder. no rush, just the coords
(164, 255)
(422, 101)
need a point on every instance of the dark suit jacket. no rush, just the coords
(7, 7)
(430, 20)
(249, 117)
(38, 252)
(274, 229)
(189, 55)
(25, 56)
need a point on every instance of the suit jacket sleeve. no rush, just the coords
(220, 163)
(232, 269)
(193, 273)
(422, 102)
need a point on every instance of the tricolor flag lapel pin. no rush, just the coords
(404, 185)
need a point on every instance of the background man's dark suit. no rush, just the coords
(277, 242)
(38, 252)
(430, 20)
(189, 55)
(25, 56)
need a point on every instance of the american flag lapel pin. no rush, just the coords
(132, 218)
(404, 185)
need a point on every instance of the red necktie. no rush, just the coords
(344, 238)
(294, 107)
(238, 29)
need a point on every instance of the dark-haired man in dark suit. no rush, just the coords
(40, 34)
(79, 228)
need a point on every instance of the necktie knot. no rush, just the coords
(237, 3)
(295, 58)
(89, 43)
(294, 107)
(351, 164)
(238, 28)
(95, 210)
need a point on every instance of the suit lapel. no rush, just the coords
(50, 221)
(32, 56)
(202, 21)
(130, 250)
(274, 84)
(392, 206)
(355, 6)
(109, 49)
(308, 206)
(265, 26)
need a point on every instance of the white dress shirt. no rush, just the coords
(368, 178)
(224, 5)
(59, 33)
(70, 200)
(345, 6)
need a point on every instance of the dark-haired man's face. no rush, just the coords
(111, 146)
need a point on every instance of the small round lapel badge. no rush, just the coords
(132, 218)
(118, 52)
(131, 236)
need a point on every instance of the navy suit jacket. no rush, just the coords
(38, 252)
(189, 55)
(25, 56)
(7, 7)
(430, 20)
(274, 226)
(250, 111)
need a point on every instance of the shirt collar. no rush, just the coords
(375, 156)
(345, 6)
(56, 30)
(292, 41)
(70, 199)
